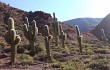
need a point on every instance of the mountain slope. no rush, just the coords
(85, 24)
(104, 24)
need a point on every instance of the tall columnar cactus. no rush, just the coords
(104, 37)
(30, 33)
(55, 26)
(62, 36)
(48, 37)
(79, 37)
(13, 39)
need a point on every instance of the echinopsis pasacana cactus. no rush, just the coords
(13, 39)
(104, 37)
(55, 26)
(30, 33)
(79, 37)
(62, 36)
(48, 37)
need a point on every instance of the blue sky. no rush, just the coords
(65, 9)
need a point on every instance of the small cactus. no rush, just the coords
(48, 37)
(31, 33)
(56, 28)
(104, 37)
(79, 37)
(13, 39)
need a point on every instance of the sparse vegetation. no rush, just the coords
(54, 48)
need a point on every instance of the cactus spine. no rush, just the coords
(48, 37)
(104, 36)
(13, 39)
(56, 30)
(79, 37)
(30, 33)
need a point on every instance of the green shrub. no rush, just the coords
(40, 47)
(26, 59)
(41, 56)
(102, 50)
(98, 66)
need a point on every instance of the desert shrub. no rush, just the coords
(65, 50)
(73, 42)
(40, 47)
(26, 59)
(61, 50)
(41, 56)
(55, 65)
(73, 65)
(98, 66)
(74, 50)
(102, 51)
(56, 55)
(87, 51)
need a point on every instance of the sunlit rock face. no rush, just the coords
(104, 24)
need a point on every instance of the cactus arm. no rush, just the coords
(25, 29)
(10, 23)
(26, 21)
(35, 29)
(12, 35)
(18, 39)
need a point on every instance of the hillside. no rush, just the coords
(85, 24)
(104, 24)
(40, 52)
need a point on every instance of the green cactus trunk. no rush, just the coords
(56, 29)
(63, 43)
(79, 37)
(32, 46)
(56, 40)
(13, 54)
(80, 45)
(48, 37)
(47, 43)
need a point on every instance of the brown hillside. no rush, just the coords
(104, 24)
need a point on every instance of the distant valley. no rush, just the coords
(85, 24)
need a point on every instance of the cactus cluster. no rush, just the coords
(104, 37)
(13, 39)
(79, 37)
(31, 33)
(48, 37)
